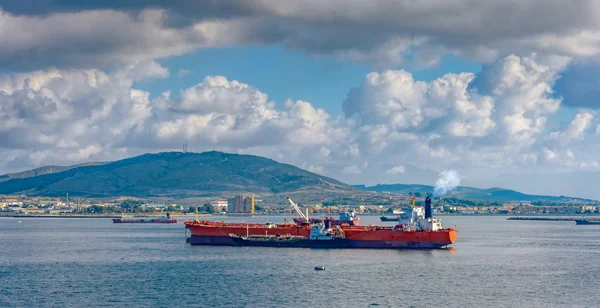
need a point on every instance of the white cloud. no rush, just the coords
(495, 119)
(549, 155)
(395, 98)
(575, 131)
(522, 92)
(396, 170)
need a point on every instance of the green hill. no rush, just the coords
(177, 175)
(42, 171)
(465, 192)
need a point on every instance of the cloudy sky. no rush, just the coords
(505, 92)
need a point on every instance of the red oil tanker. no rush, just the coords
(415, 229)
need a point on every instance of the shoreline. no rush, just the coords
(548, 217)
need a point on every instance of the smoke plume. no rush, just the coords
(447, 181)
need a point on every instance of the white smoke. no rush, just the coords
(447, 181)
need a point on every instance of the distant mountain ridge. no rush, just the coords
(210, 174)
(465, 192)
(174, 174)
(44, 170)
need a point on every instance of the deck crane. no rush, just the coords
(295, 207)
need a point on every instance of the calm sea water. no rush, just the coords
(495, 263)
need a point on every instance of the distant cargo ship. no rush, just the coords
(394, 218)
(160, 220)
(587, 222)
(416, 229)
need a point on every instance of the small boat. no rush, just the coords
(387, 218)
(319, 268)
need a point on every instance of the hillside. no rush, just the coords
(176, 174)
(43, 170)
(471, 193)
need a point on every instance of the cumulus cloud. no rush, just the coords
(70, 116)
(383, 33)
(522, 91)
(495, 119)
(65, 116)
(395, 98)
(575, 130)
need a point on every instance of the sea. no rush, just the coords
(58, 262)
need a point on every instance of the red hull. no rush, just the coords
(217, 233)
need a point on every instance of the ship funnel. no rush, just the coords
(428, 208)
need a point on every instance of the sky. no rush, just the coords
(505, 93)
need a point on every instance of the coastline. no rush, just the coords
(551, 217)
(107, 216)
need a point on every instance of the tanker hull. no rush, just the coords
(340, 243)
(355, 236)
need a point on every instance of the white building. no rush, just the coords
(219, 203)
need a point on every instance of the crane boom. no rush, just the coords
(295, 207)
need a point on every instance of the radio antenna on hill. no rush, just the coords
(185, 147)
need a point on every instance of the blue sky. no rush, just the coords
(285, 74)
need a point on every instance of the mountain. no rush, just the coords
(465, 192)
(43, 170)
(175, 174)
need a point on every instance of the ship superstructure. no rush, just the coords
(345, 217)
